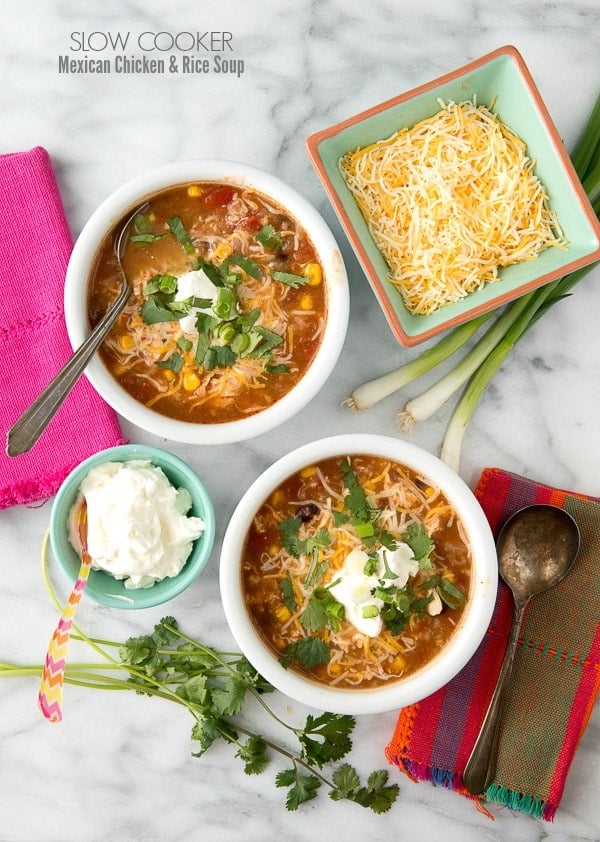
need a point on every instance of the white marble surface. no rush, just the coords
(119, 766)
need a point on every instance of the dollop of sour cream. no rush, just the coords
(353, 587)
(137, 524)
(195, 284)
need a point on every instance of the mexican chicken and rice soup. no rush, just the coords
(228, 305)
(356, 571)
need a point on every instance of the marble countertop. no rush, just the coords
(119, 765)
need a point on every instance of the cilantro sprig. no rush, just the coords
(214, 687)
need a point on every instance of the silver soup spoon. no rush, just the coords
(29, 427)
(536, 548)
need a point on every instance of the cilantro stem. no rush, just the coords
(231, 671)
(295, 758)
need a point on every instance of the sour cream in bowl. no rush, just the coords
(150, 525)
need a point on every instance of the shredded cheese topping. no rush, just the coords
(449, 202)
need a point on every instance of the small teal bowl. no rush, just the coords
(104, 588)
(501, 77)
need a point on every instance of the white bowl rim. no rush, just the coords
(452, 658)
(125, 198)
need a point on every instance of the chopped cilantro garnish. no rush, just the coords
(296, 546)
(310, 652)
(211, 271)
(269, 340)
(280, 368)
(420, 543)
(249, 266)
(269, 238)
(173, 363)
(289, 279)
(356, 500)
(177, 228)
(287, 593)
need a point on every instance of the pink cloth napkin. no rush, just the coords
(35, 248)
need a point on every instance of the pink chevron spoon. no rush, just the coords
(51, 687)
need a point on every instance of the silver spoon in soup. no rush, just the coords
(29, 427)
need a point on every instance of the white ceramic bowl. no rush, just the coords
(466, 638)
(132, 194)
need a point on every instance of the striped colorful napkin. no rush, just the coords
(36, 245)
(555, 680)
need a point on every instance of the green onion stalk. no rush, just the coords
(481, 363)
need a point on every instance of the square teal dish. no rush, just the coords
(501, 78)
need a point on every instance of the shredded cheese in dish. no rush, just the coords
(449, 202)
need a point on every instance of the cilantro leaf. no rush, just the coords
(172, 363)
(228, 699)
(376, 795)
(287, 593)
(278, 369)
(322, 610)
(333, 732)
(340, 518)
(254, 755)
(211, 271)
(356, 500)
(204, 732)
(420, 543)
(247, 265)
(289, 279)
(449, 593)
(302, 787)
(346, 781)
(310, 652)
(177, 228)
(194, 690)
(269, 238)
(289, 535)
(314, 617)
(268, 340)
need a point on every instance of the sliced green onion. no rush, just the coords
(240, 343)
(224, 306)
(365, 530)
(370, 611)
(226, 332)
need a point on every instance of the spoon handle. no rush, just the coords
(50, 695)
(26, 431)
(481, 765)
